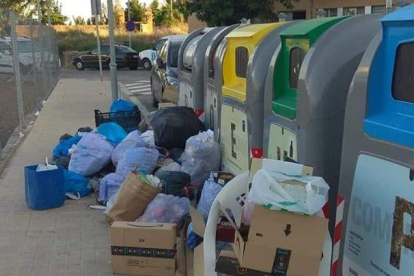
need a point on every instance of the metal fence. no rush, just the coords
(29, 70)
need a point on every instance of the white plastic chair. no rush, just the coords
(232, 198)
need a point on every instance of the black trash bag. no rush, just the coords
(63, 161)
(65, 137)
(85, 130)
(175, 153)
(172, 126)
(174, 183)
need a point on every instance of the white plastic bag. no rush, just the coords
(210, 191)
(110, 185)
(172, 167)
(143, 159)
(148, 138)
(298, 194)
(132, 141)
(201, 157)
(166, 209)
(46, 167)
(91, 155)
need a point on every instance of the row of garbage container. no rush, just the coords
(332, 93)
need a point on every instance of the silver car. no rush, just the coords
(164, 77)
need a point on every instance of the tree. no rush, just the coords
(223, 13)
(80, 20)
(117, 13)
(162, 13)
(183, 7)
(56, 16)
(138, 11)
(88, 21)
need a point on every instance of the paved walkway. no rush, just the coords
(71, 240)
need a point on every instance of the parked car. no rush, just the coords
(147, 57)
(164, 75)
(125, 58)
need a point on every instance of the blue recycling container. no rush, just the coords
(44, 190)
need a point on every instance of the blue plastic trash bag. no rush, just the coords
(142, 159)
(132, 141)
(113, 132)
(109, 186)
(193, 240)
(210, 191)
(62, 150)
(92, 154)
(166, 209)
(76, 184)
(122, 105)
(44, 189)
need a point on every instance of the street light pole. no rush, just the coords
(49, 22)
(98, 42)
(112, 64)
(129, 19)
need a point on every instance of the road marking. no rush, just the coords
(139, 88)
(143, 93)
(139, 83)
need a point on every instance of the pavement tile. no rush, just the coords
(69, 241)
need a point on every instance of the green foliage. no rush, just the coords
(163, 15)
(183, 7)
(220, 13)
(56, 16)
(80, 20)
(138, 11)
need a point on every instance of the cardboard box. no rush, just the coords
(282, 243)
(143, 248)
(228, 264)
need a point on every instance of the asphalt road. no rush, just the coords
(137, 82)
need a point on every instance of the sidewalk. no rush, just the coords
(71, 240)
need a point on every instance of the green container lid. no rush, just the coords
(296, 41)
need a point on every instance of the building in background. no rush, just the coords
(307, 9)
(146, 27)
(194, 23)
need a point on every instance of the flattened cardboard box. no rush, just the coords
(143, 248)
(282, 243)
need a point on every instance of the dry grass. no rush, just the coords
(82, 38)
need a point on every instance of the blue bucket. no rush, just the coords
(44, 190)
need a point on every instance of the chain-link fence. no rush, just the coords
(29, 69)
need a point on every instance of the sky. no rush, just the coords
(83, 7)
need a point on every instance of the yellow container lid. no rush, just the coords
(240, 47)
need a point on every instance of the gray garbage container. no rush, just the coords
(191, 68)
(256, 79)
(307, 95)
(213, 79)
(375, 215)
(241, 44)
